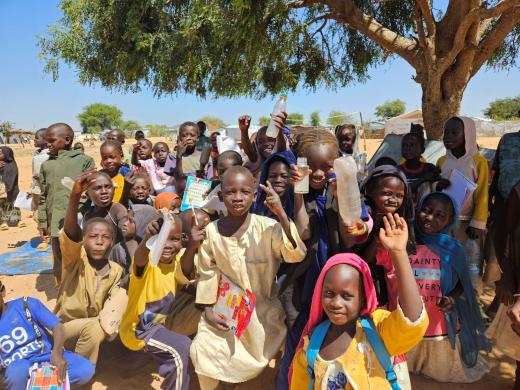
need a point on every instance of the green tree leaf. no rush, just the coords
(98, 116)
(504, 109)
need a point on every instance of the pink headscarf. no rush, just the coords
(316, 314)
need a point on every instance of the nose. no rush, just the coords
(428, 217)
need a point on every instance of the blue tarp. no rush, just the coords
(26, 259)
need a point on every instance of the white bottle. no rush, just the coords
(281, 105)
(349, 201)
(302, 187)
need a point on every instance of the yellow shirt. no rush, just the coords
(150, 300)
(359, 364)
(119, 184)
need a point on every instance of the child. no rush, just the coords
(339, 352)
(9, 182)
(151, 294)
(90, 301)
(139, 188)
(460, 139)
(123, 252)
(79, 146)
(40, 155)
(168, 200)
(111, 161)
(24, 326)
(155, 167)
(450, 349)
(248, 249)
(119, 136)
(346, 135)
(62, 162)
(419, 174)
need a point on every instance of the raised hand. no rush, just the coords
(272, 200)
(244, 122)
(181, 148)
(153, 228)
(394, 236)
(197, 232)
(130, 178)
(279, 119)
(296, 174)
(83, 181)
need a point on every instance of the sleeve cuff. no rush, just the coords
(478, 224)
(409, 322)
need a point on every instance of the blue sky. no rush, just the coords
(31, 100)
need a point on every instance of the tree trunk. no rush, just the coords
(437, 109)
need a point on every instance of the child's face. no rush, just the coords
(127, 226)
(279, 175)
(237, 194)
(223, 165)
(116, 135)
(435, 214)
(341, 297)
(346, 138)
(213, 140)
(140, 191)
(144, 150)
(101, 192)
(39, 140)
(388, 195)
(453, 134)
(173, 244)
(189, 134)
(321, 161)
(161, 153)
(97, 241)
(265, 144)
(111, 159)
(411, 148)
(57, 140)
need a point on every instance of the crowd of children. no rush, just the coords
(344, 304)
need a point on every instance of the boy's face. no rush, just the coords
(140, 191)
(39, 140)
(223, 165)
(189, 134)
(453, 134)
(127, 226)
(435, 215)
(346, 138)
(57, 140)
(161, 153)
(238, 194)
(341, 297)
(411, 148)
(111, 159)
(116, 135)
(213, 140)
(97, 241)
(321, 161)
(173, 244)
(101, 192)
(388, 195)
(144, 151)
(265, 144)
(279, 175)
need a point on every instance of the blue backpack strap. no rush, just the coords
(314, 348)
(380, 350)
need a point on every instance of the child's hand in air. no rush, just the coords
(82, 182)
(130, 178)
(279, 119)
(153, 228)
(446, 304)
(197, 232)
(272, 200)
(181, 148)
(394, 236)
(217, 321)
(296, 174)
(244, 122)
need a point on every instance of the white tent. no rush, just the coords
(401, 124)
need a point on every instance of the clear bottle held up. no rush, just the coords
(280, 106)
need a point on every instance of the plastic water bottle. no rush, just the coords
(473, 260)
(281, 105)
(349, 201)
(302, 187)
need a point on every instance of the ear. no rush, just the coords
(184, 237)
(220, 197)
(68, 140)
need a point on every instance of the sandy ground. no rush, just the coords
(115, 372)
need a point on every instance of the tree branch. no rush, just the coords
(499, 9)
(426, 10)
(425, 42)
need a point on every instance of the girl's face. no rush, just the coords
(454, 134)
(101, 192)
(160, 153)
(388, 195)
(144, 150)
(321, 161)
(173, 244)
(223, 165)
(140, 191)
(213, 140)
(127, 226)
(111, 159)
(238, 194)
(346, 138)
(341, 297)
(411, 148)
(265, 144)
(189, 134)
(279, 175)
(436, 213)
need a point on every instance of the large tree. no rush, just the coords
(390, 108)
(98, 116)
(504, 109)
(260, 47)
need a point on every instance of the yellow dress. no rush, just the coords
(252, 262)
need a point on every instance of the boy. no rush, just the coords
(40, 155)
(119, 136)
(151, 296)
(90, 300)
(346, 135)
(23, 328)
(111, 161)
(63, 162)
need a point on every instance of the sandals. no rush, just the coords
(4, 226)
(21, 224)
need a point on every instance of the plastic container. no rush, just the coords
(302, 187)
(281, 105)
(349, 199)
(473, 254)
(156, 243)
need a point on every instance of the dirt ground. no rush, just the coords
(114, 371)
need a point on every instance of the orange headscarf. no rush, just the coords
(164, 200)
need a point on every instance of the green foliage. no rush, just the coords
(6, 127)
(294, 119)
(337, 118)
(315, 118)
(504, 109)
(390, 108)
(130, 126)
(212, 122)
(155, 130)
(264, 121)
(98, 116)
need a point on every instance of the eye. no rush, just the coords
(346, 297)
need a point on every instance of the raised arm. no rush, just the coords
(197, 235)
(71, 226)
(142, 252)
(243, 123)
(181, 149)
(273, 202)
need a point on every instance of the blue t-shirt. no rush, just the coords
(17, 336)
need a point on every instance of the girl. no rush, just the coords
(139, 188)
(123, 252)
(444, 283)
(351, 349)
(247, 249)
(168, 200)
(155, 168)
(8, 188)
(111, 161)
